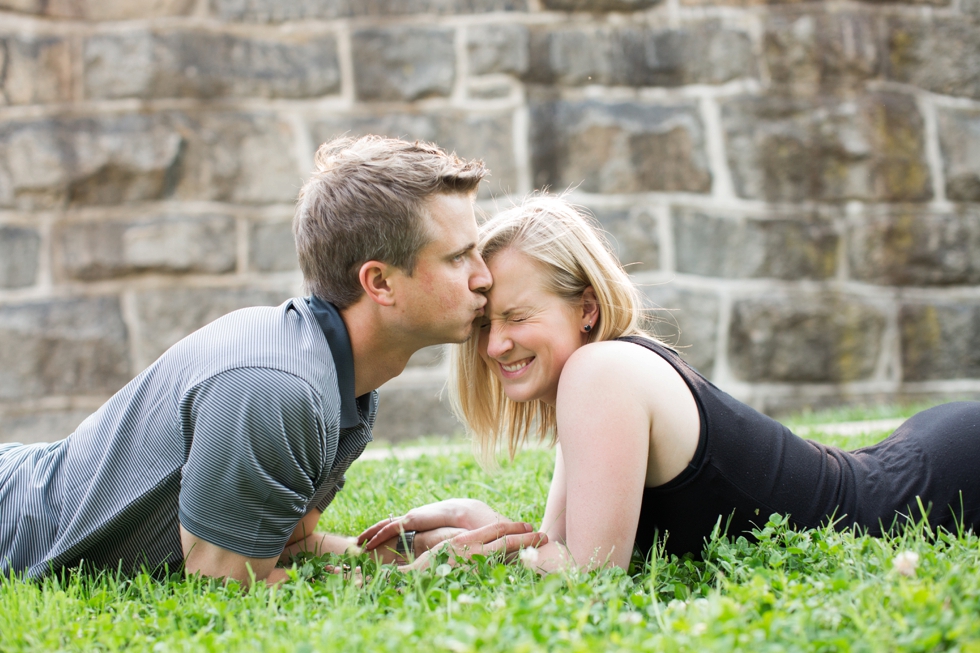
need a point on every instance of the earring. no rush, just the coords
(587, 328)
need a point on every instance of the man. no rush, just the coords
(224, 453)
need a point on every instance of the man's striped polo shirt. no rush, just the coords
(236, 432)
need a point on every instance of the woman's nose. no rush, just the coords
(498, 344)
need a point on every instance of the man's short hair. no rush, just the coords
(366, 201)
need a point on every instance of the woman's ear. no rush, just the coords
(590, 309)
(373, 276)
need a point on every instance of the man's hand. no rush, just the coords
(505, 537)
(434, 523)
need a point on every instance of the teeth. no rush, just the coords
(513, 367)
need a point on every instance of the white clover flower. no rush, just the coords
(632, 618)
(465, 599)
(699, 628)
(352, 548)
(906, 563)
(529, 556)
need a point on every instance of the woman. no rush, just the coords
(645, 445)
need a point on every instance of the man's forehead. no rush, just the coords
(450, 221)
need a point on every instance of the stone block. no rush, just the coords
(165, 244)
(238, 157)
(757, 3)
(490, 88)
(35, 70)
(406, 412)
(497, 49)
(913, 247)
(959, 141)
(737, 248)
(19, 250)
(271, 247)
(632, 233)
(823, 338)
(403, 63)
(624, 147)
(30, 426)
(50, 162)
(63, 347)
(940, 340)
(793, 149)
(486, 136)
(687, 320)
(204, 64)
(597, 6)
(970, 8)
(810, 53)
(275, 11)
(937, 54)
(101, 9)
(166, 316)
(701, 53)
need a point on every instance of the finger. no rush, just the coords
(421, 562)
(372, 531)
(413, 520)
(492, 532)
(508, 545)
(514, 543)
(389, 531)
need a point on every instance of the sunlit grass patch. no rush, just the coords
(815, 590)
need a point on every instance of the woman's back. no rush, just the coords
(749, 466)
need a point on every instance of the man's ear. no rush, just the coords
(590, 306)
(373, 276)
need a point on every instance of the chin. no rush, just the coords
(518, 397)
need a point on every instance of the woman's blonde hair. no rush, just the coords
(568, 246)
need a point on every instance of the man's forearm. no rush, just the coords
(324, 543)
(318, 544)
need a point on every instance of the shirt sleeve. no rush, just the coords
(255, 459)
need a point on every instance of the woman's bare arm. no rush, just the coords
(609, 398)
(553, 522)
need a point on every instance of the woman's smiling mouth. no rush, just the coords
(512, 369)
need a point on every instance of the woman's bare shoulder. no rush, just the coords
(613, 362)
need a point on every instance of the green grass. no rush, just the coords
(858, 413)
(811, 591)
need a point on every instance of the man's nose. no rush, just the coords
(480, 280)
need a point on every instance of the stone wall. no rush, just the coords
(797, 185)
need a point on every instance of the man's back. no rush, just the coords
(238, 422)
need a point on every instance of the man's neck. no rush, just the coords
(380, 353)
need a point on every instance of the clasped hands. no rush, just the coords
(463, 527)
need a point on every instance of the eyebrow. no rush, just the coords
(463, 250)
(510, 310)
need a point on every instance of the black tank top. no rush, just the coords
(749, 466)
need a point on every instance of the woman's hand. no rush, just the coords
(433, 523)
(504, 536)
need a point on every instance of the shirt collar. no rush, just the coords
(328, 317)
